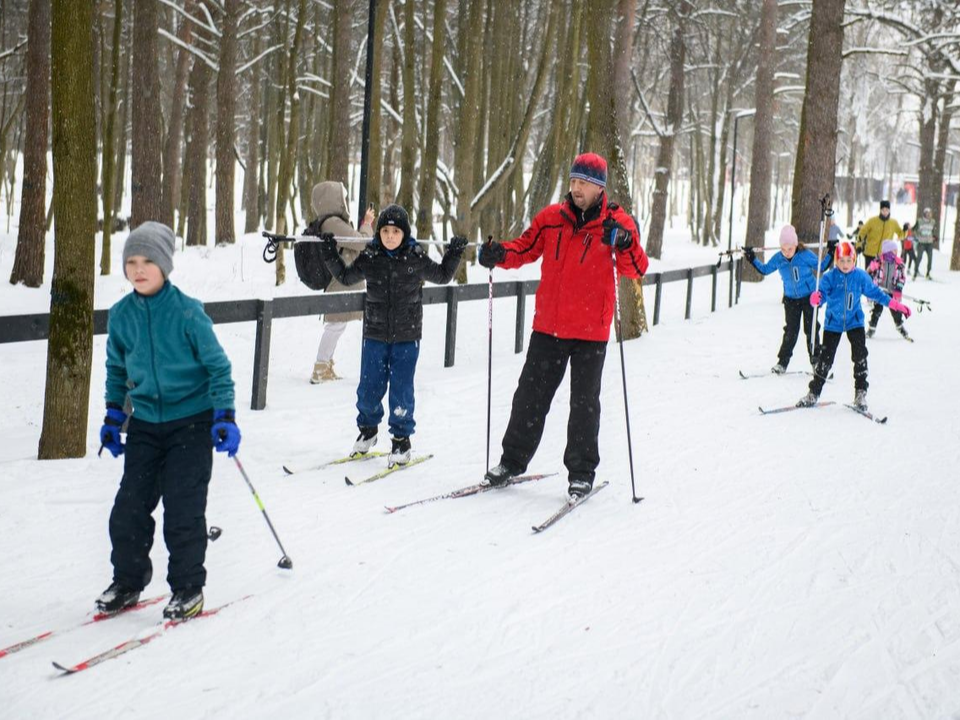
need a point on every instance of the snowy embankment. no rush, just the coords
(804, 564)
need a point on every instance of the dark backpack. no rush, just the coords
(306, 256)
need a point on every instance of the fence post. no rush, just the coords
(450, 345)
(261, 354)
(739, 278)
(656, 299)
(713, 299)
(689, 293)
(730, 299)
(521, 311)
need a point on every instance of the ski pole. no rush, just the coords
(623, 370)
(285, 562)
(489, 354)
(824, 213)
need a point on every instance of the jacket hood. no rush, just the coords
(330, 198)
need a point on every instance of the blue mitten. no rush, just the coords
(110, 430)
(226, 434)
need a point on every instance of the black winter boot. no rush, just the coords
(500, 475)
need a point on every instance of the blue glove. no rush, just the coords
(110, 431)
(616, 235)
(226, 434)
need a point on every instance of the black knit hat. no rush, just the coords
(396, 216)
(884, 204)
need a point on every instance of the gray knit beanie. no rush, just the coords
(153, 240)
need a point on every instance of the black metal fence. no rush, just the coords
(25, 328)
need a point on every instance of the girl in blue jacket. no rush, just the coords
(798, 270)
(841, 289)
(162, 353)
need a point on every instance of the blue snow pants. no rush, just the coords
(382, 364)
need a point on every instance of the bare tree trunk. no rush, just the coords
(375, 153)
(145, 183)
(289, 154)
(250, 184)
(408, 140)
(28, 264)
(170, 187)
(762, 134)
(428, 167)
(816, 155)
(623, 57)
(195, 171)
(70, 345)
(108, 153)
(124, 111)
(928, 192)
(224, 230)
(467, 140)
(663, 170)
(939, 160)
(603, 136)
(337, 166)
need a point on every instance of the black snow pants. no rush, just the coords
(828, 351)
(173, 461)
(544, 368)
(795, 309)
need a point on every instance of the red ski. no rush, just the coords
(139, 642)
(99, 617)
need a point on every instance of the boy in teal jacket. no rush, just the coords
(163, 354)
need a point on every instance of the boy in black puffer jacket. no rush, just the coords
(394, 266)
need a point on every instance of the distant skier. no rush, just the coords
(394, 266)
(798, 270)
(877, 229)
(888, 273)
(841, 289)
(925, 232)
(329, 202)
(163, 353)
(574, 309)
(909, 255)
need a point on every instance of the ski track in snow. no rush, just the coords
(796, 565)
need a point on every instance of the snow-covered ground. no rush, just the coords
(805, 564)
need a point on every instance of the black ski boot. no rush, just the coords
(500, 475)
(579, 488)
(117, 597)
(400, 451)
(365, 440)
(184, 604)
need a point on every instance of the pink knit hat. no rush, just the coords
(788, 236)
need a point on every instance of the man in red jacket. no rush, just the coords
(579, 239)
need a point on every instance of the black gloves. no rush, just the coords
(457, 245)
(491, 253)
(616, 235)
(313, 228)
(328, 246)
(749, 254)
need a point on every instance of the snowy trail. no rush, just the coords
(805, 564)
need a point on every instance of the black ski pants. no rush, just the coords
(545, 366)
(828, 351)
(878, 311)
(173, 461)
(795, 309)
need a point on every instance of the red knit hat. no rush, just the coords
(846, 249)
(590, 167)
